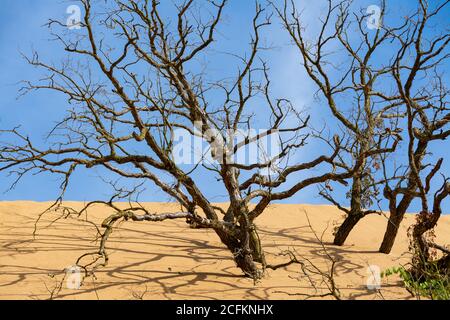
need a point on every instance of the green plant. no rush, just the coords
(431, 284)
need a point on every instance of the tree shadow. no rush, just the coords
(171, 261)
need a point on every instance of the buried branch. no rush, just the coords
(316, 276)
(137, 214)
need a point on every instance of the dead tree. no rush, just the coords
(343, 60)
(385, 91)
(131, 81)
(427, 122)
(418, 69)
(422, 245)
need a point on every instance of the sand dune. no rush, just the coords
(170, 261)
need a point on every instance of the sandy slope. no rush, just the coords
(170, 261)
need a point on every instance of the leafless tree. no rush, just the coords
(343, 60)
(377, 83)
(422, 246)
(419, 68)
(131, 80)
(426, 123)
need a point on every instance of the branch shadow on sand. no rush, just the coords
(171, 262)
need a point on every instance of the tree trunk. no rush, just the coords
(242, 255)
(355, 214)
(394, 222)
(256, 247)
(246, 248)
(345, 228)
(443, 265)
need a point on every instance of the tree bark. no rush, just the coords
(394, 222)
(355, 214)
(243, 254)
(245, 246)
(256, 247)
(345, 228)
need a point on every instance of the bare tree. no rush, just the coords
(419, 68)
(343, 60)
(427, 266)
(387, 95)
(422, 246)
(131, 81)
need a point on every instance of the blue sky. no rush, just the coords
(21, 30)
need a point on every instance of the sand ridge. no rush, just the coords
(169, 260)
